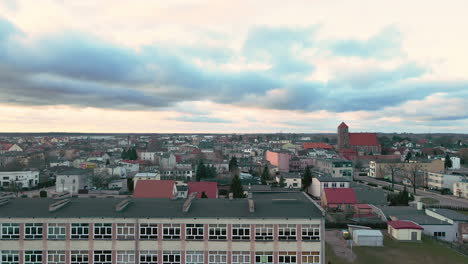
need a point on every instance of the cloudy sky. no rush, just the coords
(233, 66)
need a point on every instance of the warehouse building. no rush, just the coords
(265, 228)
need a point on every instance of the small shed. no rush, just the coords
(405, 230)
(366, 237)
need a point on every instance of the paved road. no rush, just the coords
(443, 199)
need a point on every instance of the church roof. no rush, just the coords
(363, 139)
(342, 125)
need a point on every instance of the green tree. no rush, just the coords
(265, 175)
(282, 182)
(233, 166)
(43, 194)
(124, 154)
(307, 179)
(201, 171)
(236, 187)
(448, 161)
(132, 155)
(203, 195)
(408, 156)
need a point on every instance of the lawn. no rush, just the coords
(463, 212)
(427, 252)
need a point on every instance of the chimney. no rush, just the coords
(231, 196)
(188, 202)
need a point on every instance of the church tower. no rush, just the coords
(343, 136)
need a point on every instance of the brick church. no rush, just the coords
(359, 143)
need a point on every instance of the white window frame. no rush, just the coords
(56, 257)
(217, 257)
(287, 232)
(240, 257)
(35, 257)
(171, 231)
(33, 230)
(194, 231)
(80, 256)
(311, 257)
(104, 257)
(148, 257)
(125, 231)
(237, 229)
(75, 228)
(264, 232)
(260, 255)
(287, 257)
(194, 257)
(152, 234)
(10, 231)
(125, 257)
(174, 254)
(217, 232)
(310, 232)
(102, 231)
(9, 256)
(56, 231)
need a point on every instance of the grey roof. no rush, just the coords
(74, 172)
(333, 179)
(451, 214)
(367, 195)
(290, 175)
(400, 210)
(267, 205)
(256, 187)
(422, 219)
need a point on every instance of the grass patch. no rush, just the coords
(427, 252)
(463, 212)
(428, 200)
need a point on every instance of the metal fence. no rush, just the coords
(460, 248)
(453, 207)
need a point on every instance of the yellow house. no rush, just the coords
(404, 230)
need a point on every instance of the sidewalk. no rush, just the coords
(339, 245)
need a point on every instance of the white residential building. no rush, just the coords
(319, 183)
(25, 179)
(441, 181)
(72, 181)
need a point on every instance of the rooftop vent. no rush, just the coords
(62, 195)
(251, 206)
(188, 202)
(122, 205)
(57, 205)
(4, 201)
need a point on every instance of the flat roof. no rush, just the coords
(368, 232)
(295, 205)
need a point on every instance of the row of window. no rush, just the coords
(333, 185)
(150, 231)
(151, 257)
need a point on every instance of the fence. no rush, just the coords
(453, 207)
(460, 248)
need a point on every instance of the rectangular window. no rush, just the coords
(10, 231)
(240, 257)
(341, 185)
(325, 185)
(103, 231)
(102, 257)
(263, 232)
(56, 231)
(217, 257)
(55, 257)
(217, 232)
(171, 231)
(287, 232)
(148, 231)
(79, 257)
(33, 231)
(194, 257)
(171, 257)
(33, 257)
(333, 185)
(240, 232)
(79, 231)
(125, 231)
(439, 234)
(311, 257)
(148, 257)
(194, 231)
(310, 232)
(9, 256)
(287, 257)
(263, 257)
(125, 257)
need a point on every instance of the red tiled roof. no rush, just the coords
(342, 125)
(404, 225)
(130, 161)
(6, 146)
(210, 189)
(316, 145)
(195, 151)
(363, 139)
(154, 189)
(340, 196)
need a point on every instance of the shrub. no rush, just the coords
(372, 184)
(43, 194)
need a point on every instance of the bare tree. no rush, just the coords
(101, 179)
(14, 187)
(393, 169)
(413, 175)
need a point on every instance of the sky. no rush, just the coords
(253, 66)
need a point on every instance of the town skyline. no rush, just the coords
(245, 67)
